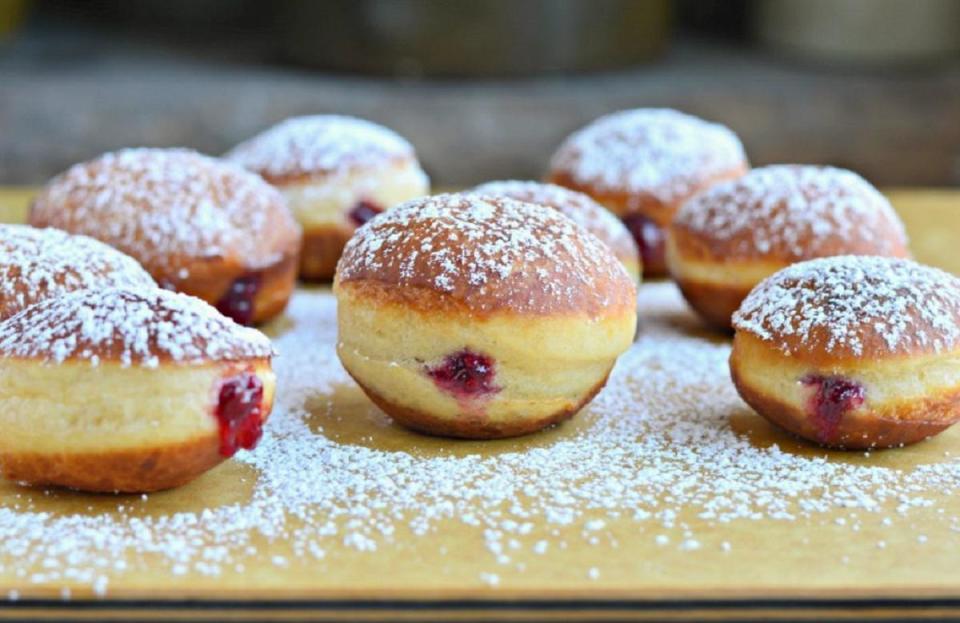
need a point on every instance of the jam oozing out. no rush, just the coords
(240, 413)
(363, 211)
(237, 303)
(649, 237)
(833, 397)
(465, 374)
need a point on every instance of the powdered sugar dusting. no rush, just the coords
(320, 144)
(489, 253)
(661, 152)
(37, 263)
(799, 211)
(578, 207)
(131, 327)
(847, 304)
(167, 208)
(647, 452)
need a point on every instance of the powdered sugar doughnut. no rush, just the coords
(480, 317)
(643, 164)
(127, 390)
(852, 351)
(39, 263)
(337, 173)
(725, 241)
(198, 225)
(578, 207)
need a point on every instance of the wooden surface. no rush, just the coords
(785, 569)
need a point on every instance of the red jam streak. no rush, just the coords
(834, 397)
(240, 413)
(237, 303)
(465, 374)
(649, 237)
(363, 211)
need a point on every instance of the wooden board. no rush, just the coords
(772, 569)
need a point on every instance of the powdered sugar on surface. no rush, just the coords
(36, 263)
(661, 152)
(841, 304)
(488, 252)
(647, 452)
(578, 207)
(796, 208)
(166, 207)
(131, 327)
(320, 144)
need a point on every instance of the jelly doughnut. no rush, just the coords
(124, 390)
(337, 173)
(480, 317)
(643, 164)
(199, 225)
(852, 351)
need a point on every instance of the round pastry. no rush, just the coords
(643, 165)
(727, 240)
(197, 224)
(39, 263)
(852, 351)
(337, 173)
(578, 207)
(127, 390)
(480, 317)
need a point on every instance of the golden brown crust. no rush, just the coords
(322, 247)
(490, 254)
(789, 213)
(714, 303)
(142, 470)
(194, 223)
(623, 203)
(474, 427)
(579, 207)
(277, 284)
(431, 303)
(143, 327)
(36, 264)
(210, 280)
(831, 311)
(863, 429)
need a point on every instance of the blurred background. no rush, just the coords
(485, 88)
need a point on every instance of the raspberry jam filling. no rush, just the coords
(237, 303)
(649, 237)
(239, 412)
(834, 397)
(465, 374)
(363, 211)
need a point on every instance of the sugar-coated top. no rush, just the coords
(144, 327)
(490, 254)
(846, 307)
(38, 263)
(653, 151)
(320, 145)
(578, 207)
(169, 208)
(792, 212)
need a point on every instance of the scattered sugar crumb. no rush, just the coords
(649, 450)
